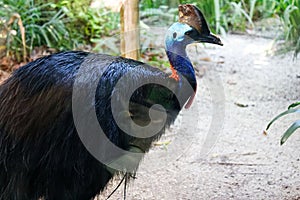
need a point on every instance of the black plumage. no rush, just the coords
(41, 153)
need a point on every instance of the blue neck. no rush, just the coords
(180, 61)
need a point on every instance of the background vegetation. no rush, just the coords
(58, 25)
(228, 15)
(61, 24)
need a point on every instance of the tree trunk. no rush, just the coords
(130, 33)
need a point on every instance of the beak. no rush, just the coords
(211, 38)
(205, 38)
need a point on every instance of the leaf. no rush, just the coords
(51, 32)
(252, 8)
(45, 37)
(294, 105)
(242, 105)
(281, 115)
(290, 131)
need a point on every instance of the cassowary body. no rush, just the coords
(41, 153)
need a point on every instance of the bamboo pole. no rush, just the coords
(130, 33)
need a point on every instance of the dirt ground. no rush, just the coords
(217, 149)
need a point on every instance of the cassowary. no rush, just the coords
(42, 154)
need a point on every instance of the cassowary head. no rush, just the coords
(192, 27)
(181, 34)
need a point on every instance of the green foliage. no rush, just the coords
(289, 13)
(147, 4)
(162, 16)
(58, 24)
(63, 24)
(291, 109)
(291, 19)
(43, 25)
(234, 15)
(224, 15)
(89, 23)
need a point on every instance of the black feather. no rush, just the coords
(41, 154)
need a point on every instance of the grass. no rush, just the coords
(43, 26)
(57, 25)
(291, 20)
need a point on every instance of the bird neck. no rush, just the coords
(181, 65)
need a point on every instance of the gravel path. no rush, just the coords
(217, 148)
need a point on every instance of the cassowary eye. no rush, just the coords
(188, 33)
(174, 35)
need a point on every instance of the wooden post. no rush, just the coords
(130, 33)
